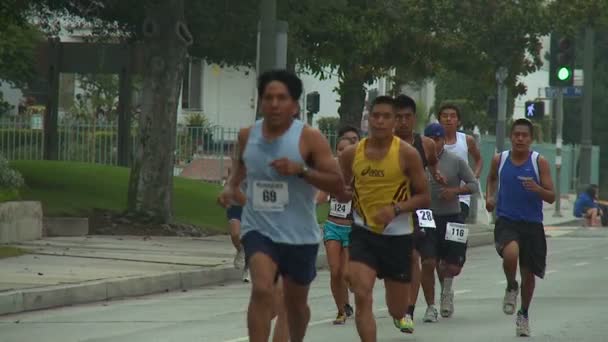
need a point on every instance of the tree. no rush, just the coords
(359, 41)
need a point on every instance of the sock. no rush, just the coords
(512, 286)
(447, 285)
(523, 312)
(410, 310)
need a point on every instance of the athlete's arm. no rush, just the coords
(491, 184)
(431, 158)
(231, 188)
(474, 151)
(322, 197)
(324, 173)
(466, 175)
(413, 168)
(346, 165)
(545, 189)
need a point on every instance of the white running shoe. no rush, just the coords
(509, 303)
(431, 315)
(246, 278)
(447, 304)
(522, 326)
(239, 260)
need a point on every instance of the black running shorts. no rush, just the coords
(531, 239)
(389, 255)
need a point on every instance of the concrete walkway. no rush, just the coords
(67, 271)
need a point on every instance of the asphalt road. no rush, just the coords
(571, 304)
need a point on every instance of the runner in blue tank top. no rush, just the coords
(518, 183)
(284, 162)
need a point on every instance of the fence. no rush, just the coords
(200, 152)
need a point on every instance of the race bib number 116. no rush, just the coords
(456, 232)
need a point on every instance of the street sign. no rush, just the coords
(535, 110)
(567, 91)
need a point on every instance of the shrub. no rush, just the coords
(10, 181)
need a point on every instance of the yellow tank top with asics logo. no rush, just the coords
(378, 183)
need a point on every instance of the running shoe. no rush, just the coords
(405, 325)
(431, 315)
(522, 325)
(340, 319)
(447, 304)
(509, 303)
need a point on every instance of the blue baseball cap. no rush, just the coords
(434, 130)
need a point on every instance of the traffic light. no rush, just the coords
(562, 61)
(313, 102)
(535, 110)
(492, 107)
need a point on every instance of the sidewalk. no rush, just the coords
(75, 270)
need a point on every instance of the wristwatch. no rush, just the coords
(396, 209)
(304, 171)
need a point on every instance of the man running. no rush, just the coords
(389, 183)
(406, 123)
(350, 133)
(523, 179)
(445, 247)
(460, 144)
(336, 235)
(284, 162)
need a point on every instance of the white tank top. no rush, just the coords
(461, 149)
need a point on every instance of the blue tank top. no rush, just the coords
(281, 208)
(514, 201)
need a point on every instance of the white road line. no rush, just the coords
(581, 264)
(605, 258)
(501, 282)
(313, 323)
(550, 271)
(459, 292)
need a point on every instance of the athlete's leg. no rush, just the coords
(298, 311)
(510, 256)
(396, 297)
(428, 280)
(235, 233)
(281, 329)
(528, 283)
(415, 284)
(261, 305)
(362, 278)
(335, 259)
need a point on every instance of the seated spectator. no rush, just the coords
(586, 206)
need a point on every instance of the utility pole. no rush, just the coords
(585, 158)
(501, 77)
(267, 39)
(558, 150)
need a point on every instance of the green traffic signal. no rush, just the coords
(563, 73)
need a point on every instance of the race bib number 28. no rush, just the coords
(425, 218)
(456, 232)
(270, 196)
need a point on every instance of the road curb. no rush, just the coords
(47, 297)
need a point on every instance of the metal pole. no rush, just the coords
(267, 46)
(558, 151)
(585, 158)
(282, 29)
(501, 76)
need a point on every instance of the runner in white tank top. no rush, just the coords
(460, 144)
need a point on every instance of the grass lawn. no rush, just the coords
(74, 189)
(7, 252)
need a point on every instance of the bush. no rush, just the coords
(10, 181)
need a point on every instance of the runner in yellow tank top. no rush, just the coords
(389, 183)
(377, 182)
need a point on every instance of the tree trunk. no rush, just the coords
(166, 39)
(352, 95)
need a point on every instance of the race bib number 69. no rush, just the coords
(425, 218)
(457, 232)
(270, 196)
